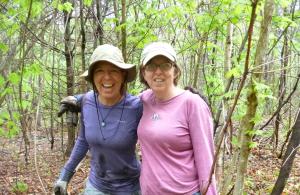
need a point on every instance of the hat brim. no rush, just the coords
(152, 54)
(130, 68)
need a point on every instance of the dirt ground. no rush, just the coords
(44, 165)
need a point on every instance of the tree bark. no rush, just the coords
(70, 80)
(289, 157)
(99, 33)
(83, 44)
(123, 30)
(252, 98)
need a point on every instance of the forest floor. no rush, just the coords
(42, 169)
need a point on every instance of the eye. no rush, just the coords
(115, 71)
(98, 70)
(151, 66)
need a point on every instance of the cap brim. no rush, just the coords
(151, 55)
(130, 68)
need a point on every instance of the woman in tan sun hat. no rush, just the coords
(109, 119)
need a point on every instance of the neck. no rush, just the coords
(109, 101)
(166, 95)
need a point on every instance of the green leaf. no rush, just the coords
(87, 2)
(235, 72)
(13, 130)
(5, 115)
(2, 81)
(14, 78)
(36, 9)
(235, 141)
(252, 145)
(20, 187)
(3, 47)
(253, 132)
(68, 7)
(2, 132)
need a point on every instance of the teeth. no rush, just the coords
(107, 85)
(158, 80)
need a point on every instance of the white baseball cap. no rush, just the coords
(155, 49)
(113, 55)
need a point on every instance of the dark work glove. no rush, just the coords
(70, 104)
(60, 186)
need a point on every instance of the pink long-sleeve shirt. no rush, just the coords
(176, 138)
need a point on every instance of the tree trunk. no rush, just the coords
(289, 157)
(227, 67)
(247, 123)
(123, 30)
(83, 44)
(70, 80)
(99, 33)
(117, 23)
(282, 87)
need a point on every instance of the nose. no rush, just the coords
(107, 75)
(157, 70)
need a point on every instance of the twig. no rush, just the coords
(294, 150)
(35, 132)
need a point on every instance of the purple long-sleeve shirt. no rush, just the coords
(176, 138)
(114, 167)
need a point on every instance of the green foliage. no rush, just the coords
(252, 145)
(8, 128)
(2, 82)
(249, 183)
(67, 6)
(20, 187)
(235, 141)
(87, 2)
(3, 47)
(253, 132)
(14, 78)
(234, 72)
(33, 69)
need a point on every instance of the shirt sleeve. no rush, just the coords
(79, 151)
(201, 131)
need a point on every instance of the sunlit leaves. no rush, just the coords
(3, 47)
(252, 145)
(263, 90)
(20, 187)
(14, 78)
(33, 70)
(234, 72)
(87, 2)
(67, 6)
(2, 81)
(8, 128)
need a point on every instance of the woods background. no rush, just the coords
(242, 55)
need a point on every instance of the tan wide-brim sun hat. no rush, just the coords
(156, 49)
(113, 55)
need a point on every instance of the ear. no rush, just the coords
(176, 72)
(143, 72)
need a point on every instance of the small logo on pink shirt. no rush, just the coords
(155, 117)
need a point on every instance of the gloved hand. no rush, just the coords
(71, 104)
(61, 185)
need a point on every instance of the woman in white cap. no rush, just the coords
(175, 131)
(109, 119)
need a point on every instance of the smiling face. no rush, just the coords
(108, 80)
(159, 76)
